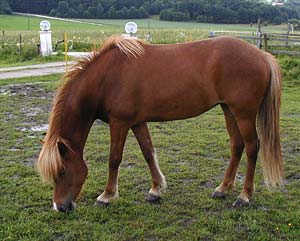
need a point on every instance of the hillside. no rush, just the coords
(209, 11)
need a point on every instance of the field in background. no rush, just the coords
(85, 37)
(14, 22)
(193, 155)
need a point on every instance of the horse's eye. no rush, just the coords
(62, 173)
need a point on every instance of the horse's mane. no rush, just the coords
(50, 161)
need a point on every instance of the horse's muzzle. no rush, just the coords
(64, 208)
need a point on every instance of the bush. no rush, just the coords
(172, 15)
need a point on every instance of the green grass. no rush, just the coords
(192, 153)
(158, 24)
(88, 37)
(20, 23)
(15, 60)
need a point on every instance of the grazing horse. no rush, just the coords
(129, 83)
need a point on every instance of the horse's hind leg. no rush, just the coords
(118, 134)
(237, 147)
(247, 127)
(141, 133)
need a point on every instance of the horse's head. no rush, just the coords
(63, 165)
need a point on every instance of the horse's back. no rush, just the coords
(184, 80)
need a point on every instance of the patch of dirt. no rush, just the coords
(28, 115)
(208, 184)
(293, 177)
(29, 89)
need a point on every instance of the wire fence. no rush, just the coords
(91, 40)
(276, 43)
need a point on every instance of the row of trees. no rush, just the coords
(214, 11)
(5, 7)
(228, 11)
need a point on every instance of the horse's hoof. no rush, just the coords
(101, 204)
(239, 203)
(218, 195)
(152, 198)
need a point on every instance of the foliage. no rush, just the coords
(214, 11)
(228, 11)
(5, 7)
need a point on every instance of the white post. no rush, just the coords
(46, 43)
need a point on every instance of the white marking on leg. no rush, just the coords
(55, 206)
(73, 204)
(163, 185)
(104, 198)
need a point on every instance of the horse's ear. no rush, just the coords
(63, 149)
(42, 140)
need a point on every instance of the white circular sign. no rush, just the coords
(131, 27)
(45, 25)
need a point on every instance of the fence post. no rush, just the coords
(66, 50)
(258, 42)
(266, 42)
(20, 44)
(3, 33)
(287, 36)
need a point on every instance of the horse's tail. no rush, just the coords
(268, 128)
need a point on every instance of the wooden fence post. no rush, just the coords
(287, 38)
(20, 44)
(266, 42)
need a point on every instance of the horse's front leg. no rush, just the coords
(118, 134)
(142, 134)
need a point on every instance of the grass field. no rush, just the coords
(84, 37)
(20, 23)
(192, 153)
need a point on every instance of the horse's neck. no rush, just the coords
(78, 114)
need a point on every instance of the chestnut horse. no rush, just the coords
(129, 83)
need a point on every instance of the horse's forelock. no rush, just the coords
(50, 161)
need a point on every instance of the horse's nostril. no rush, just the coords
(61, 209)
(70, 206)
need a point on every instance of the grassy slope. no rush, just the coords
(87, 37)
(12, 23)
(193, 154)
(157, 24)
(16, 22)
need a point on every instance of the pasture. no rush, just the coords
(85, 37)
(192, 153)
(19, 23)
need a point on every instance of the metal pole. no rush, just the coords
(258, 43)
(287, 36)
(66, 50)
(20, 44)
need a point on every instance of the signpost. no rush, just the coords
(45, 38)
(131, 29)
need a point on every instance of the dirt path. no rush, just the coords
(38, 69)
(33, 70)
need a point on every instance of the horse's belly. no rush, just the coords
(179, 108)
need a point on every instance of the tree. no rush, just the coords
(63, 8)
(4, 7)
(99, 10)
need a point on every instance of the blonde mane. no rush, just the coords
(50, 161)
